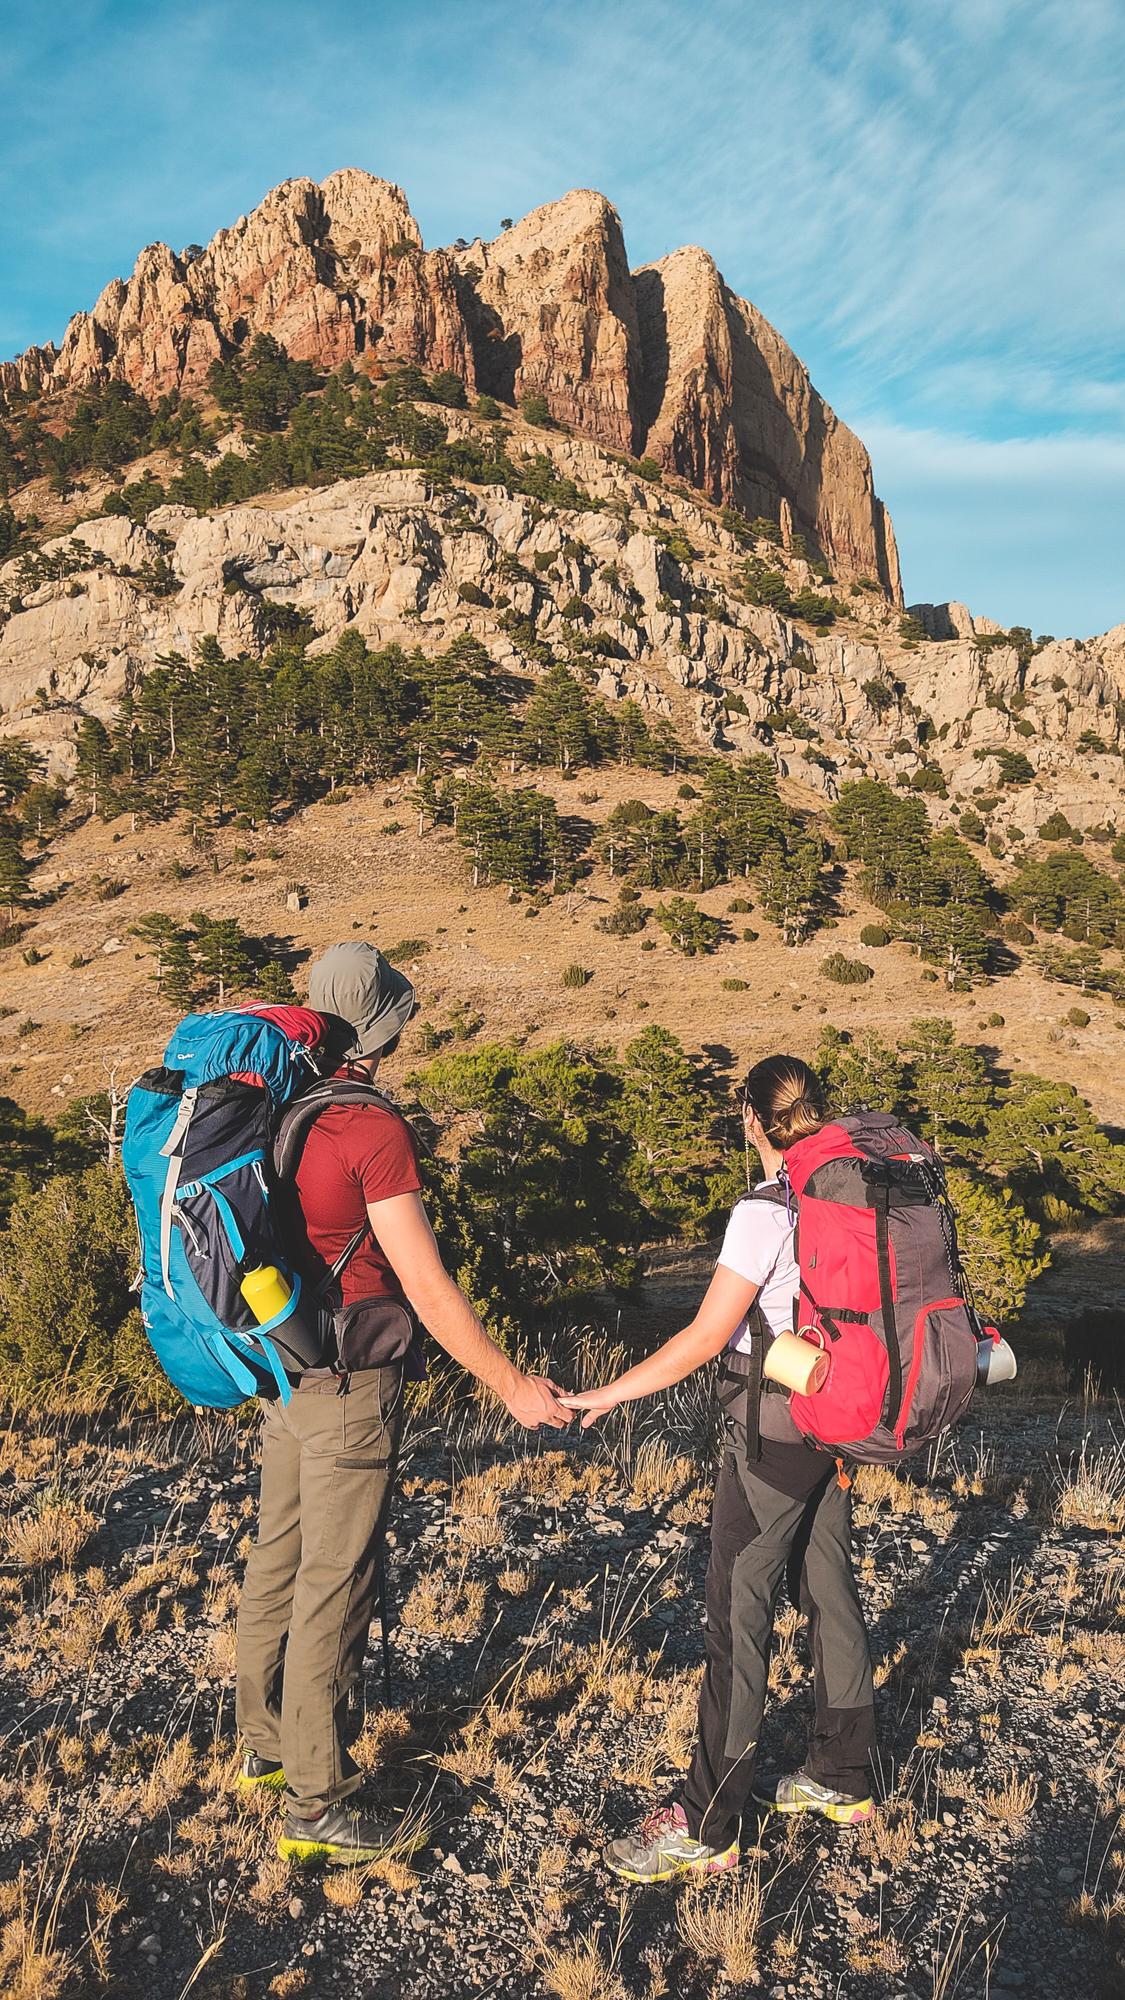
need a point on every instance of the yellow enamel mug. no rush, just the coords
(796, 1363)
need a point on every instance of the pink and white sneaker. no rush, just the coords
(661, 1848)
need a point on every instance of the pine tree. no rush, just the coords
(789, 884)
(159, 933)
(222, 954)
(668, 1117)
(15, 870)
(274, 984)
(559, 722)
(1044, 1141)
(94, 764)
(1001, 1246)
(689, 928)
(860, 1073)
(180, 972)
(947, 1088)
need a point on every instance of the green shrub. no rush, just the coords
(68, 1322)
(736, 985)
(689, 928)
(845, 971)
(1057, 827)
(628, 916)
(536, 410)
(994, 1020)
(1015, 768)
(404, 950)
(739, 907)
(874, 934)
(448, 388)
(471, 593)
(577, 975)
(1077, 1017)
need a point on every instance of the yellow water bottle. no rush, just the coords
(266, 1292)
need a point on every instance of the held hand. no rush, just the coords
(594, 1403)
(534, 1400)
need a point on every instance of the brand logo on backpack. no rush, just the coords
(881, 1289)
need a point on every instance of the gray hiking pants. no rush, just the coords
(328, 1465)
(758, 1531)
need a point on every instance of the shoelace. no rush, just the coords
(658, 1822)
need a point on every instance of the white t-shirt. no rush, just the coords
(758, 1246)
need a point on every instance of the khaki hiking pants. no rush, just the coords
(328, 1464)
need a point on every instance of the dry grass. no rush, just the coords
(581, 1972)
(452, 1606)
(890, 1835)
(1011, 1804)
(720, 1921)
(1091, 1494)
(679, 1707)
(56, 1530)
(883, 1953)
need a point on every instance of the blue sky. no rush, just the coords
(927, 199)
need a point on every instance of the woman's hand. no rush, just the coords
(594, 1403)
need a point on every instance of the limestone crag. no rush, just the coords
(952, 621)
(390, 555)
(554, 315)
(665, 362)
(727, 404)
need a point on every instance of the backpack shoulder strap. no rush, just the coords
(296, 1121)
(293, 1128)
(772, 1191)
(743, 1378)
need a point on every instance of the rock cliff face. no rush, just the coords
(554, 315)
(728, 405)
(665, 362)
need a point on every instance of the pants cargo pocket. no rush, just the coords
(353, 1504)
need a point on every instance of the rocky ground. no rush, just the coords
(545, 1655)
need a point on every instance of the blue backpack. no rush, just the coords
(196, 1155)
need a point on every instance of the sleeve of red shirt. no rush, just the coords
(379, 1151)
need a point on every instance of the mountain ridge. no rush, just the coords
(699, 381)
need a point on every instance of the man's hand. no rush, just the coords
(534, 1400)
(595, 1403)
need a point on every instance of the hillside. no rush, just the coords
(647, 597)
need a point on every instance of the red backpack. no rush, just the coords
(881, 1290)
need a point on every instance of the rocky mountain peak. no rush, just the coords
(665, 362)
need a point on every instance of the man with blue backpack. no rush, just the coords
(286, 1252)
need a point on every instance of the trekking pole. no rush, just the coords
(383, 1599)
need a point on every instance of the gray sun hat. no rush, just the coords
(355, 982)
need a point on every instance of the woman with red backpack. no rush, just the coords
(779, 1504)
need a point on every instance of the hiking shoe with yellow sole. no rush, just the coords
(660, 1849)
(801, 1794)
(349, 1837)
(256, 1771)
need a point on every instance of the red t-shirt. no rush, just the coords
(354, 1154)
